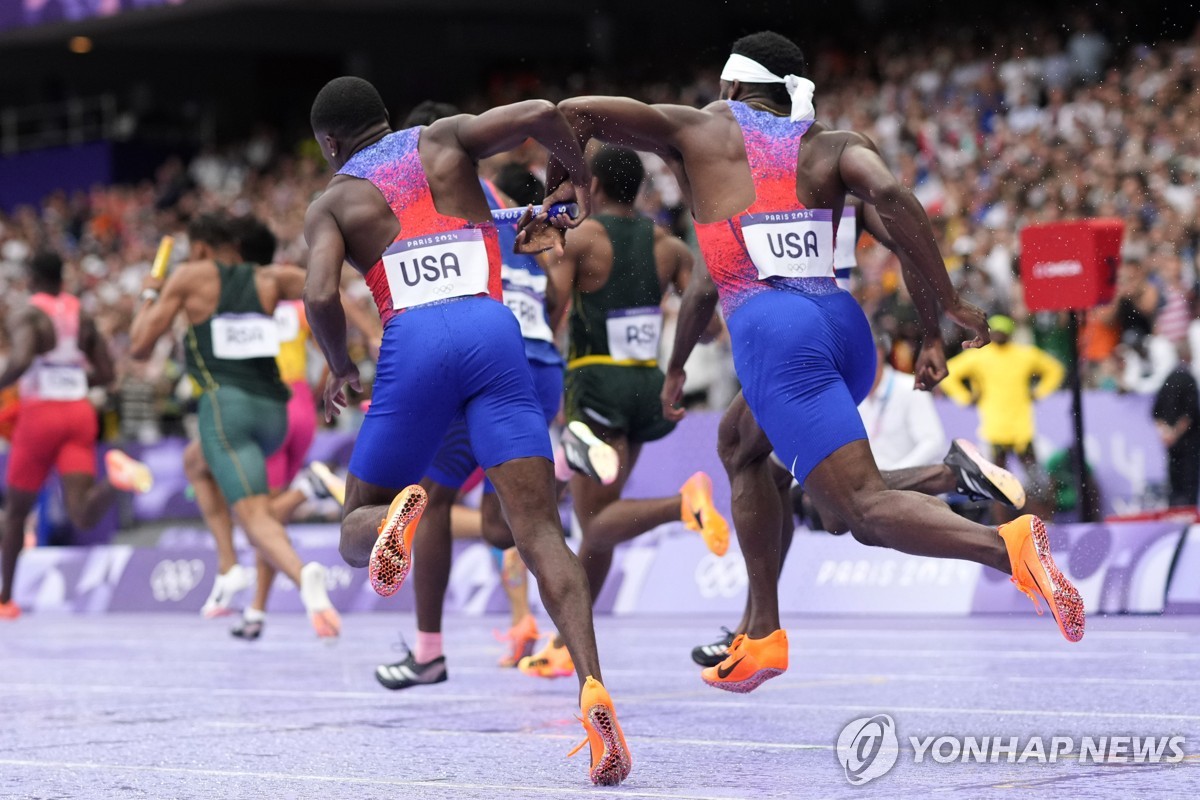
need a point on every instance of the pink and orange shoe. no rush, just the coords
(1035, 573)
(552, 661)
(611, 761)
(521, 639)
(10, 611)
(700, 515)
(749, 663)
(391, 557)
(127, 474)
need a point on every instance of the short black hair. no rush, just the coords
(619, 171)
(347, 106)
(778, 54)
(521, 185)
(428, 112)
(254, 240)
(212, 229)
(46, 267)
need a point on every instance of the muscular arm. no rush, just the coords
(22, 352)
(867, 177)
(323, 288)
(154, 319)
(94, 347)
(931, 363)
(503, 128)
(630, 123)
(695, 316)
(562, 271)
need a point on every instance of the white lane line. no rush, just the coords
(548, 791)
(632, 699)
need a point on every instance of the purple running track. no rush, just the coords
(169, 706)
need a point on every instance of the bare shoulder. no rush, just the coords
(192, 273)
(584, 238)
(835, 140)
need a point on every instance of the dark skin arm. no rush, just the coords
(501, 129)
(930, 369)
(323, 302)
(695, 315)
(154, 318)
(25, 346)
(93, 346)
(868, 178)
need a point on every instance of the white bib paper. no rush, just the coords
(790, 244)
(845, 249)
(633, 333)
(845, 253)
(58, 382)
(524, 294)
(237, 337)
(287, 318)
(440, 266)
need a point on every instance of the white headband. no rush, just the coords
(747, 70)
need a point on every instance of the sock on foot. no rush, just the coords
(429, 647)
(251, 614)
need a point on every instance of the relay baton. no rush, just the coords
(159, 271)
(515, 214)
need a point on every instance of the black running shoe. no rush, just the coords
(247, 630)
(709, 655)
(980, 479)
(586, 453)
(408, 672)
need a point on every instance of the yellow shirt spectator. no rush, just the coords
(1001, 378)
(293, 340)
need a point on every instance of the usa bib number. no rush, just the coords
(440, 266)
(633, 333)
(790, 244)
(287, 318)
(237, 337)
(62, 382)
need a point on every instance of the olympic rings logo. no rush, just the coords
(172, 580)
(721, 577)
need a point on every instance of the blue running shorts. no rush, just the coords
(805, 363)
(455, 461)
(459, 358)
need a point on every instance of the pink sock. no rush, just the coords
(429, 647)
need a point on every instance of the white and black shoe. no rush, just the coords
(586, 453)
(247, 629)
(980, 479)
(408, 673)
(709, 655)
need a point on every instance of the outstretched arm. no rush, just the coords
(505, 127)
(868, 178)
(323, 303)
(630, 123)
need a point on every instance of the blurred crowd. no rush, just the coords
(1034, 125)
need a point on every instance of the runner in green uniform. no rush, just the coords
(231, 344)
